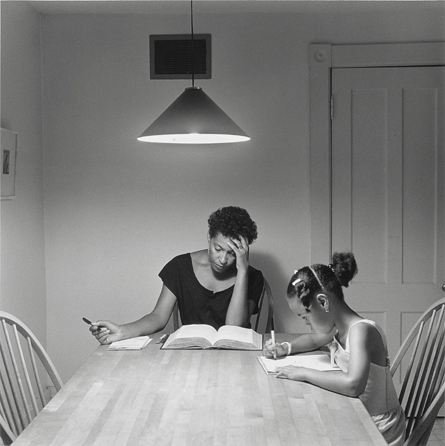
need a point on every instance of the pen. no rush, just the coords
(90, 323)
(272, 333)
(163, 338)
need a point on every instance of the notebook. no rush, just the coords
(137, 343)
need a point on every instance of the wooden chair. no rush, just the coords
(26, 374)
(423, 369)
(266, 295)
(6, 435)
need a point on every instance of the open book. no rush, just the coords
(317, 360)
(205, 336)
(137, 343)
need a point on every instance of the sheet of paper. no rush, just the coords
(315, 360)
(137, 343)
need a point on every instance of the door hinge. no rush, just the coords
(332, 108)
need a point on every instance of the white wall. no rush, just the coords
(117, 209)
(22, 289)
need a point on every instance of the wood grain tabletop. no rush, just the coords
(194, 397)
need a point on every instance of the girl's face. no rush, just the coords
(221, 255)
(315, 315)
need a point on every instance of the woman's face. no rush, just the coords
(221, 255)
(315, 315)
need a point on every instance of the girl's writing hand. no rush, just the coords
(241, 249)
(269, 348)
(291, 372)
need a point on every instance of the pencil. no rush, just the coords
(272, 333)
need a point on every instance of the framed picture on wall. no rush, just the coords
(9, 156)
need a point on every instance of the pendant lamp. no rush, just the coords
(193, 118)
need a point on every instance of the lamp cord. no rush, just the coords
(193, 49)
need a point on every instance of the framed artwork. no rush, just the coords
(9, 156)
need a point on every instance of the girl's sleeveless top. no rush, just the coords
(379, 397)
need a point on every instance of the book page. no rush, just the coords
(193, 332)
(230, 336)
(313, 360)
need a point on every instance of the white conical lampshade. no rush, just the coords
(193, 118)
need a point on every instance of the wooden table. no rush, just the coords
(195, 397)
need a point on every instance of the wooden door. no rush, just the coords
(388, 190)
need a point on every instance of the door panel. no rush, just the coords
(388, 190)
(420, 178)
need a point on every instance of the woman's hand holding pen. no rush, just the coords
(106, 332)
(271, 347)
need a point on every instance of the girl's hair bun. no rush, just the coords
(344, 267)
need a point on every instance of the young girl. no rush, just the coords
(357, 345)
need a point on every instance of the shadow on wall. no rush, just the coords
(273, 272)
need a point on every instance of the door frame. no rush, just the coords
(323, 58)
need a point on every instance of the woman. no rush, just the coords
(214, 286)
